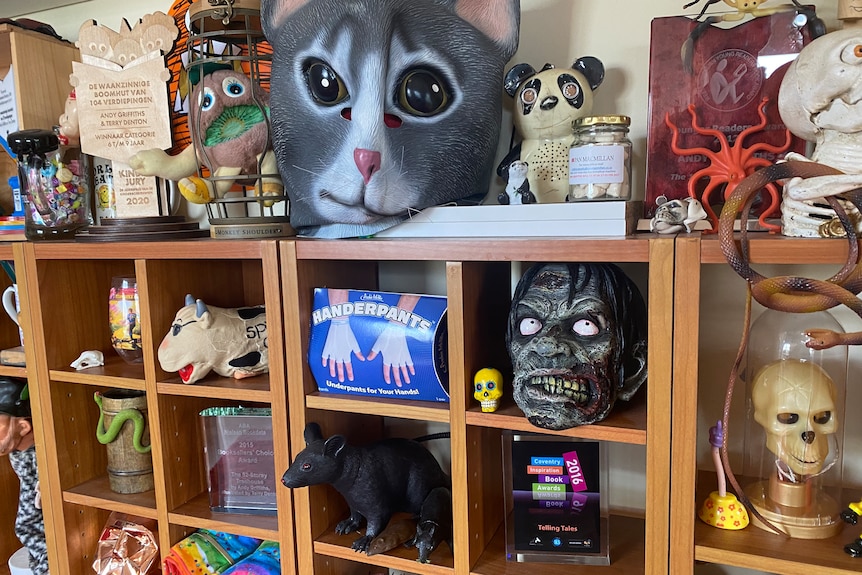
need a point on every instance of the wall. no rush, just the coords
(617, 32)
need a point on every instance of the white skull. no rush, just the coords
(794, 402)
(488, 388)
(87, 359)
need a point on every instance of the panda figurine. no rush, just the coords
(517, 185)
(546, 104)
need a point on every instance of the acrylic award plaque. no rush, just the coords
(556, 498)
(240, 459)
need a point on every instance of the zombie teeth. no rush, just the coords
(556, 385)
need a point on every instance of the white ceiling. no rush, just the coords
(15, 8)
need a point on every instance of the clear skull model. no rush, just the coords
(577, 340)
(488, 388)
(794, 402)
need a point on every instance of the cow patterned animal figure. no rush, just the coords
(231, 342)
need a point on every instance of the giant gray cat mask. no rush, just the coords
(577, 339)
(381, 107)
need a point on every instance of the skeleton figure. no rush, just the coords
(819, 101)
(794, 402)
(577, 340)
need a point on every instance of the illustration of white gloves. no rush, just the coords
(396, 356)
(340, 343)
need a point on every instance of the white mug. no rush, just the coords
(11, 303)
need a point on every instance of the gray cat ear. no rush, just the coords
(499, 20)
(274, 12)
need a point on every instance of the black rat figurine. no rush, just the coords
(377, 480)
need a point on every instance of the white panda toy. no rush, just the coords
(546, 104)
(517, 185)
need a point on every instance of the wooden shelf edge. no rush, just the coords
(755, 548)
(97, 493)
(210, 391)
(400, 408)
(404, 559)
(634, 248)
(236, 523)
(627, 551)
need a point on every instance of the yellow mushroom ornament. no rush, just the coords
(488, 388)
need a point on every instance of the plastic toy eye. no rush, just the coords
(305, 466)
(423, 93)
(325, 85)
(822, 417)
(207, 99)
(529, 96)
(530, 325)
(571, 90)
(232, 87)
(176, 329)
(852, 54)
(787, 418)
(491, 385)
(478, 387)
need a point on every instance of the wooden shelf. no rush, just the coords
(419, 410)
(197, 513)
(626, 551)
(97, 493)
(250, 389)
(403, 558)
(776, 249)
(625, 424)
(622, 249)
(755, 548)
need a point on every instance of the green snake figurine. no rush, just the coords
(107, 436)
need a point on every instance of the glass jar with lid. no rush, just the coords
(600, 166)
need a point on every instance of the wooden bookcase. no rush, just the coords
(690, 539)
(8, 480)
(477, 277)
(67, 311)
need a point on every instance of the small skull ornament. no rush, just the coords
(488, 388)
(794, 402)
(577, 338)
(88, 359)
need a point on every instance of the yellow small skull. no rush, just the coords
(488, 388)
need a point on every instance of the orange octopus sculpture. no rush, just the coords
(730, 164)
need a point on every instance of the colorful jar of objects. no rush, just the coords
(54, 184)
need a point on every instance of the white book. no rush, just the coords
(601, 219)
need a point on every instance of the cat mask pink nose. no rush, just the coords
(368, 162)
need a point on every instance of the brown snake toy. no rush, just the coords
(791, 294)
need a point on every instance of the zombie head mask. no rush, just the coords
(577, 339)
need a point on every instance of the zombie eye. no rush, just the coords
(423, 93)
(529, 96)
(585, 327)
(305, 466)
(325, 85)
(530, 325)
(571, 90)
(823, 417)
(491, 385)
(207, 99)
(787, 418)
(232, 87)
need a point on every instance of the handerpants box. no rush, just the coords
(379, 344)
